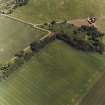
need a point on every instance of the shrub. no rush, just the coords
(35, 46)
(27, 53)
(20, 54)
(53, 22)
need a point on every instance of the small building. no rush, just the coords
(91, 21)
(21, 2)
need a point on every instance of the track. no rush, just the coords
(25, 22)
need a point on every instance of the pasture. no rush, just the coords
(14, 36)
(39, 11)
(57, 75)
(96, 96)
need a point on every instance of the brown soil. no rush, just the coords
(79, 22)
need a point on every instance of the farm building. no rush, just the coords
(91, 21)
(21, 2)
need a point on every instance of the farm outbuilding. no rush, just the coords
(21, 2)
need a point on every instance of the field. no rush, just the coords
(52, 77)
(97, 93)
(58, 74)
(39, 11)
(14, 36)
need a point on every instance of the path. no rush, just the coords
(96, 95)
(25, 22)
(76, 22)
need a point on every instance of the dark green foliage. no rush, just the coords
(87, 28)
(4, 69)
(45, 24)
(79, 44)
(53, 22)
(96, 37)
(19, 54)
(24, 55)
(36, 46)
(7, 69)
(85, 38)
(62, 27)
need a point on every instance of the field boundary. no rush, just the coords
(19, 59)
(24, 55)
(42, 42)
(95, 82)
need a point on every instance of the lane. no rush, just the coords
(25, 22)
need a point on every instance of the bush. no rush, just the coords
(4, 71)
(35, 46)
(46, 24)
(53, 22)
(20, 54)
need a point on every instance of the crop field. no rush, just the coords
(14, 36)
(52, 77)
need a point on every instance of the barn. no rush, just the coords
(21, 2)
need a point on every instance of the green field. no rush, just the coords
(97, 93)
(57, 75)
(14, 36)
(39, 11)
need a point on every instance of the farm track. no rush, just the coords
(25, 22)
(31, 24)
(96, 96)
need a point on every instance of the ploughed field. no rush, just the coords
(57, 75)
(14, 36)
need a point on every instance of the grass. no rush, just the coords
(14, 36)
(39, 11)
(57, 75)
(97, 93)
